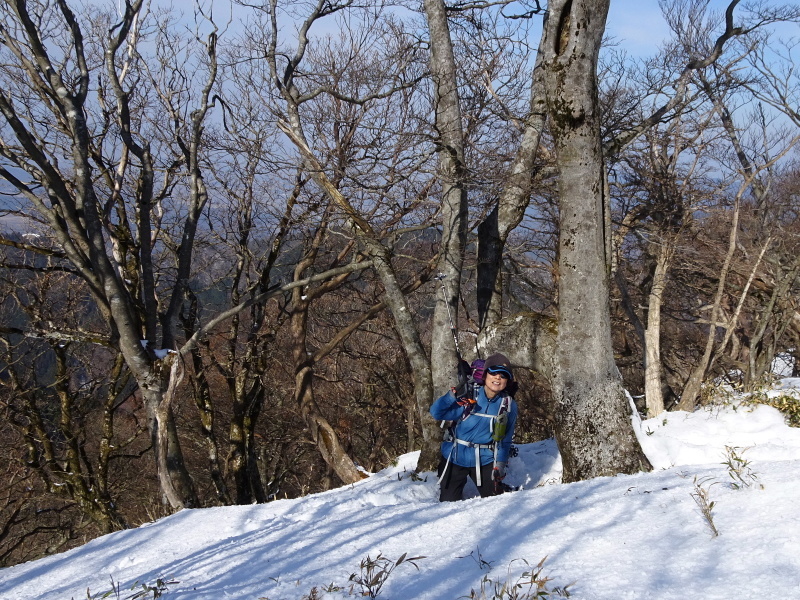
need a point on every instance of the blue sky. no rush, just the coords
(640, 28)
(637, 25)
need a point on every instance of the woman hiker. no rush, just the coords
(478, 441)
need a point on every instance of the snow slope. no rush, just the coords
(638, 536)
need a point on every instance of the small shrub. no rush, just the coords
(531, 585)
(147, 591)
(719, 394)
(739, 469)
(481, 562)
(702, 497)
(375, 572)
(787, 404)
(312, 595)
(716, 394)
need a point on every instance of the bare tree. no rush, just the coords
(297, 95)
(98, 203)
(660, 182)
(452, 180)
(756, 165)
(695, 53)
(61, 396)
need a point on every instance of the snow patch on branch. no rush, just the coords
(159, 353)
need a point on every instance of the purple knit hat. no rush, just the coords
(498, 363)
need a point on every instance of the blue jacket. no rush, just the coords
(474, 428)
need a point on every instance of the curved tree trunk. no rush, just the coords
(420, 365)
(176, 485)
(393, 296)
(322, 433)
(593, 426)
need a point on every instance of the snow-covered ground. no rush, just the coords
(636, 536)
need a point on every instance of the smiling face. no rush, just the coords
(494, 383)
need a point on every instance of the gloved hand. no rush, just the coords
(464, 371)
(499, 471)
(464, 375)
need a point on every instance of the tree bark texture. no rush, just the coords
(451, 171)
(653, 392)
(528, 339)
(321, 431)
(593, 426)
(178, 491)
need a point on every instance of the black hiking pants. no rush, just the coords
(452, 485)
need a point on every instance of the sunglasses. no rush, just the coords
(499, 371)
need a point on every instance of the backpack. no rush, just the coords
(477, 370)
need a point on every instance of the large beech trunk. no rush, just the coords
(593, 426)
(451, 175)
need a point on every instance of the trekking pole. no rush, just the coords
(441, 277)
